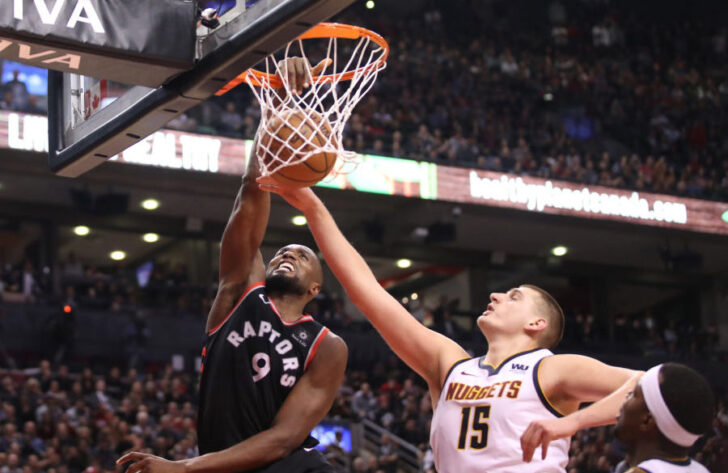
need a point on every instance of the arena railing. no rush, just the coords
(409, 457)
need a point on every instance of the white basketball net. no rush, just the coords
(327, 104)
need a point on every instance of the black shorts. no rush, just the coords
(300, 461)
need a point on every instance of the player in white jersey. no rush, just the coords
(486, 410)
(670, 408)
(491, 412)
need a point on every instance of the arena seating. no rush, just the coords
(566, 99)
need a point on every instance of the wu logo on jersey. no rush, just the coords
(518, 367)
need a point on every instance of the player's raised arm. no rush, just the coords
(239, 257)
(428, 353)
(569, 380)
(240, 260)
(243, 235)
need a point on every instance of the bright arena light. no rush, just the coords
(559, 250)
(414, 296)
(299, 220)
(150, 204)
(151, 237)
(117, 255)
(404, 263)
(370, 4)
(81, 230)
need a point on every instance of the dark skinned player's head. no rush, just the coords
(294, 270)
(686, 395)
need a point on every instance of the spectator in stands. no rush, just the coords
(183, 123)
(136, 333)
(73, 267)
(12, 465)
(231, 122)
(29, 286)
(359, 465)
(388, 456)
(100, 399)
(414, 434)
(364, 404)
(384, 415)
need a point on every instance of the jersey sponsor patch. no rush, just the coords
(302, 337)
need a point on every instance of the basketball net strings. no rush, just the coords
(323, 104)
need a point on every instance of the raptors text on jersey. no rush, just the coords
(251, 362)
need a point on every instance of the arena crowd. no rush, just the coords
(591, 96)
(53, 420)
(59, 416)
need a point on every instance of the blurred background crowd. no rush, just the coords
(590, 95)
(55, 419)
(62, 411)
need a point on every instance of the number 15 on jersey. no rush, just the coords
(474, 430)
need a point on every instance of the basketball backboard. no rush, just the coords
(93, 119)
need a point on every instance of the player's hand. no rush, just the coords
(297, 72)
(148, 463)
(543, 432)
(301, 198)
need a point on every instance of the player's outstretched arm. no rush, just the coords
(572, 380)
(428, 353)
(303, 409)
(240, 260)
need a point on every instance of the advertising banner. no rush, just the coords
(409, 178)
(580, 200)
(135, 41)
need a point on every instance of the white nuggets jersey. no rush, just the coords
(658, 465)
(482, 413)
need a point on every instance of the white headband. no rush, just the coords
(667, 424)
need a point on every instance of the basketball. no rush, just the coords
(289, 137)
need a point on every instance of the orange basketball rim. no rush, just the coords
(258, 78)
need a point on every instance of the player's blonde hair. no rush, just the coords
(554, 315)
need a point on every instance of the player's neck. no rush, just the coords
(649, 450)
(502, 348)
(290, 307)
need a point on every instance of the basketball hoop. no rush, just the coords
(328, 101)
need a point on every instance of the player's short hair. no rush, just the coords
(554, 314)
(688, 396)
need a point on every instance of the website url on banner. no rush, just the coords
(540, 197)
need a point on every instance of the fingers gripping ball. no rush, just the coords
(292, 142)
